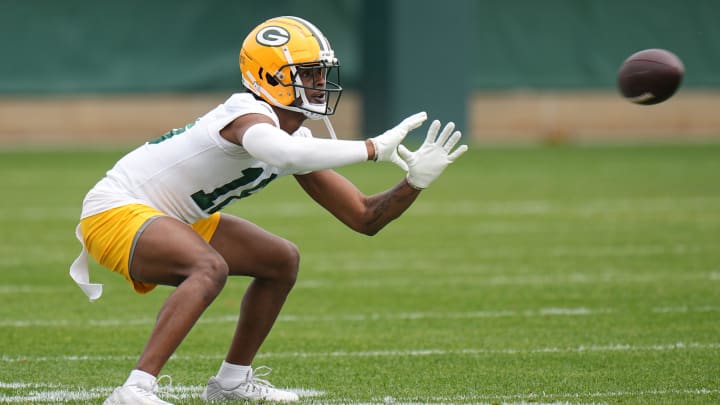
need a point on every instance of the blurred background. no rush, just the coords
(118, 72)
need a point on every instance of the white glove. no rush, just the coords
(426, 163)
(386, 144)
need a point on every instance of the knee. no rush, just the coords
(211, 271)
(288, 264)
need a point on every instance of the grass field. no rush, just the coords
(524, 275)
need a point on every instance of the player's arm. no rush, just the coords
(364, 214)
(266, 142)
(369, 215)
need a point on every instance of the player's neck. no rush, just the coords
(290, 121)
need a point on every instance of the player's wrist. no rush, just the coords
(371, 149)
(409, 183)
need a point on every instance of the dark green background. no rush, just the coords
(400, 54)
(166, 45)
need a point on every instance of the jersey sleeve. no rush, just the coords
(297, 154)
(303, 132)
(237, 105)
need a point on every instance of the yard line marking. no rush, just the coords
(32, 289)
(406, 316)
(16, 385)
(433, 352)
(484, 280)
(533, 398)
(580, 311)
(393, 261)
(40, 214)
(615, 347)
(610, 394)
(20, 358)
(477, 274)
(481, 276)
(451, 315)
(685, 309)
(585, 208)
(56, 393)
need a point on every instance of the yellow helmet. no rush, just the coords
(274, 55)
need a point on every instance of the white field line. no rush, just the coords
(543, 312)
(610, 394)
(400, 259)
(534, 398)
(480, 278)
(616, 347)
(584, 208)
(581, 311)
(507, 351)
(482, 266)
(53, 393)
(517, 280)
(683, 309)
(392, 258)
(404, 316)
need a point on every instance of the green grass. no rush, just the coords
(528, 274)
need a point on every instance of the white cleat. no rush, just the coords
(136, 395)
(252, 389)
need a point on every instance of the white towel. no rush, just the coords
(80, 273)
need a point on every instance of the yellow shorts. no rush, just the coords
(110, 236)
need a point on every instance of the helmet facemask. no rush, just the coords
(316, 86)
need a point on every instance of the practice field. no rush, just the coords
(524, 275)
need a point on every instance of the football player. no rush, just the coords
(155, 217)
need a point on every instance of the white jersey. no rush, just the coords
(191, 172)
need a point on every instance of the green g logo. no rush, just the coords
(272, 36)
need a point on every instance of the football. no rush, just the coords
(650, 76)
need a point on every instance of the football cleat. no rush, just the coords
(137, 394)
(251, 389)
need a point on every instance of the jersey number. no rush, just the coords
(206, 201)
(173, 132)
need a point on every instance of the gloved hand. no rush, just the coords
(426, 163)
(386, 144)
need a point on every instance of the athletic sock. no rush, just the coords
(139, 377)
(231, 375)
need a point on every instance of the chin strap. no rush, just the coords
(329, 126)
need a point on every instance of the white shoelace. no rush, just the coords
(258, 384)
(166, 389)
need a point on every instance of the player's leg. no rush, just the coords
(169, 252)
(273, 263)
(149, 248)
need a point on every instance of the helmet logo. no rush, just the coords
(272, 36)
